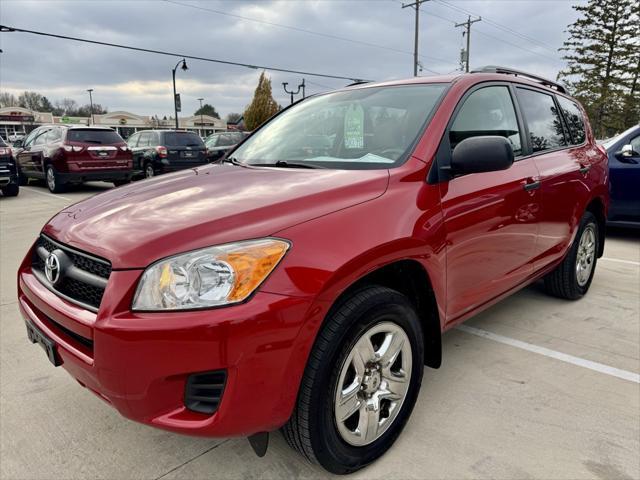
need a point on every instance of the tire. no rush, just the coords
(52, 179)
(570, 280)
(313, 429)
(11, 190)
(149, 171)
(22, 179)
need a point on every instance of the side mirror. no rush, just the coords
(481, 154)
(626, 152)
(18, 143)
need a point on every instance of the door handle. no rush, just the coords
(529, 186)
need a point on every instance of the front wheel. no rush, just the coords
(11, 190)
(361, 382)
(572, 278)
(53, 180)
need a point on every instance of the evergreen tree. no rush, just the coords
(262, 107)
(601, 56)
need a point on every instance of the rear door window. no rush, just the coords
(146, 139)
(54, 135)
(487, 111)
(541, 114)
(182, 139)
(93, 136)
(132, 141)
(574, 119)
(41, 139)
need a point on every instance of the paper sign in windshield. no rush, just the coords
(354, 127)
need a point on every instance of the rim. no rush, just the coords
(149, 171)
(586, 255)
(51, 179)
(373, 383)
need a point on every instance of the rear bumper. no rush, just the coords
(84, 176)
(139, 362)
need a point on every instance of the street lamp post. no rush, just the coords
(91, 104)
(175, 96)
(201, 120)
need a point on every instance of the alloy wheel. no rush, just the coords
(148, 172)
(586, 255)
(373, 383)
(51, 179)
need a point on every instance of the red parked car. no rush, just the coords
(303, 283)
(63, 155)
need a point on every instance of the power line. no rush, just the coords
(453, 22)
(304, 30)
(4, 28)
(500, 26)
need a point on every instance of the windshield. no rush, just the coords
(354, 129)
(92, 135)
(182, 139)
(610, 142)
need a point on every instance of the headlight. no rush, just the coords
(208, 277)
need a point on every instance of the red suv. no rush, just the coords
(63, 155)
(303, 283)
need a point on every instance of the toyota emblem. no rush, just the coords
(52, 268)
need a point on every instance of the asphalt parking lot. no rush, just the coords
(536, 388)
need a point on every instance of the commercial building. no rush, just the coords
(19, 121)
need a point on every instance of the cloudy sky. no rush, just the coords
(370, 39)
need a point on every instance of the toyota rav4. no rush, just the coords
(303, 283)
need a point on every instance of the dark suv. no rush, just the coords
(220, 143)
(64, 155)
(161, 151)
(8, 173)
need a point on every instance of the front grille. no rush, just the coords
(203, 391)
(83, 277)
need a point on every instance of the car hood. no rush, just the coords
(135, 225)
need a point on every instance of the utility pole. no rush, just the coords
(201, 121)
(415, 5)
(91, 104)
(467, 25)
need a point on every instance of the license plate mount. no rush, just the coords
(36, 335)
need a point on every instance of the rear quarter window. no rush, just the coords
(575, 120)
(94, 136)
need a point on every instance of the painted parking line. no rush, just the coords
(630, 262)
(580, 362)
(56, 196)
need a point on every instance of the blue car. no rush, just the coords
(624, 177)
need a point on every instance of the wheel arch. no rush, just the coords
(409, 277)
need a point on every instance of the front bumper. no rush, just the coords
(7, 180)
(140, 362)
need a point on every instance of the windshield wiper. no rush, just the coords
(233, 161)
(285, 164)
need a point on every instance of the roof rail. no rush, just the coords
(518, 73)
